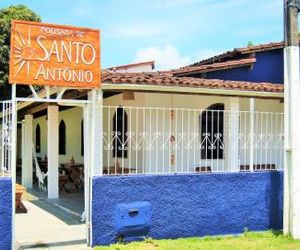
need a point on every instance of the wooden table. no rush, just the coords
(20, 207)
(76, 173)
(203, 169)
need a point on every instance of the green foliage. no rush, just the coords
(270, 240)
(18, 12)
(250, 44)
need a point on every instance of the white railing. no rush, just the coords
(142, 140)
(5, 138)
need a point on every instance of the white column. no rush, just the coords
(93, 151)
(27, 170)
(292, 142)
(233, 138)
(23, 152)
(87, 180)
(53, 192)
(14, 120)
(95, 132)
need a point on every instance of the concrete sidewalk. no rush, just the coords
(41, 228)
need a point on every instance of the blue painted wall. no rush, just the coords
(268, 68)
(5, 213)
(191, 204)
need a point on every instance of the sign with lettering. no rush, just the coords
(54, 55)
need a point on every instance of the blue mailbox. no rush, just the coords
(133, 219)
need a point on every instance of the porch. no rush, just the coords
(156, 133)
(50, 223)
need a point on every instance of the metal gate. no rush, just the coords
(5, 138)
(7, 144)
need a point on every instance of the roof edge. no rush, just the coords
(239, 51)
(191, 90)
(126, 66)
(214, 67)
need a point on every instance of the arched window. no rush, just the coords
(82, 138)
(120, 133)
(62, 138)
(212, 132)
(38, 139)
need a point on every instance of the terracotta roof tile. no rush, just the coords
(165, 79)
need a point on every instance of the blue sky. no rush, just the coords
(171, 32)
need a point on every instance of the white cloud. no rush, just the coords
(167, 57)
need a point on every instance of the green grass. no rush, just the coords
(248, 241)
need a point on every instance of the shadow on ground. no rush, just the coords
(68, 208)
(54, 244)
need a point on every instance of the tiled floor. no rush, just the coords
(51, 224)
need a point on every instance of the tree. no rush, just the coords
(18, 12)
(250, 44)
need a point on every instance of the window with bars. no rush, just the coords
(120, 129)
(62, 138)
(82, 138)
(212, 132)
(38, 139)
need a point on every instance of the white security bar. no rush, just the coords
(144, 140)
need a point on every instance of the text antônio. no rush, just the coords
(62, 51)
